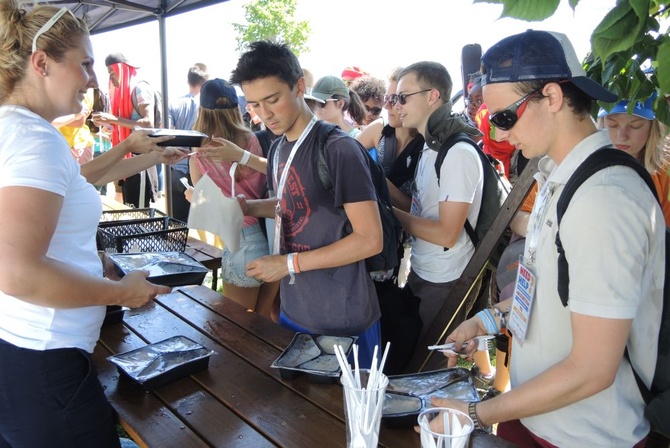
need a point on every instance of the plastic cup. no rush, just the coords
(363, 410)
(450, 428)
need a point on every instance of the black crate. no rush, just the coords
(131, 214)
(142, 235)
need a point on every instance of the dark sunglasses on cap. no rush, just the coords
(401, 97)
(506, 118)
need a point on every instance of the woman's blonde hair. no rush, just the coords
(224, 123)
(656, 154)
(18, 27)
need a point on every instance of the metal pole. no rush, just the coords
(162, 32)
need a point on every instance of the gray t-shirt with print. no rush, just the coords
(337, 301)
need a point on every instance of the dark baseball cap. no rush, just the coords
(214, 89)
(116, 58)
(539, 55)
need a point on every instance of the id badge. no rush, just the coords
(278, 230)
(522, 301)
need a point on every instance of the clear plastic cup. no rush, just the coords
(363, 410)
(445, 428)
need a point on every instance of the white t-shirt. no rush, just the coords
(613, 235)
(34, 154)
(461, 180)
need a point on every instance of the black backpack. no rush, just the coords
(158, 105)
(657, 399)
(495, 190)
(389, 257)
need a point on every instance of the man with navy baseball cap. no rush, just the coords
(571, 384)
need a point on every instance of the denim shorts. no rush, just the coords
(253, 244)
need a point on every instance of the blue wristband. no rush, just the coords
(489, 323)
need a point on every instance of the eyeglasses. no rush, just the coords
(477, 102)
(401, 97)
(323, 105)
(50, 23)
(373, 110)
(506, 118)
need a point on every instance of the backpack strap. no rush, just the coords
(323, 131)
(441, 154)
(264, 140)
(602, 158)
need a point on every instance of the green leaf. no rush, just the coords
(573, 4)
(663, 71)
(530, 10)
(619, 30)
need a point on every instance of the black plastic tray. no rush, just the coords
(187, 138)
(165, 268)
(313, 355)
(408, 395)
(158, 364)
(114, 314)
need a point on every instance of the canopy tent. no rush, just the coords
(110, 15)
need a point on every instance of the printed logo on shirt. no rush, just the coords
(295, 206)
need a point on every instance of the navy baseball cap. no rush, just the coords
(539, 55)
(213, 90)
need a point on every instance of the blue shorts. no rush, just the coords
(366, 341)
(253, 244)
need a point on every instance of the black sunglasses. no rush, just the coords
(401, 97)
(373, 110)
(506, 118)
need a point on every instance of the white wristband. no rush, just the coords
(245, 157)
(291, 268)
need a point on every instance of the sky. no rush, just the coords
(376, 35)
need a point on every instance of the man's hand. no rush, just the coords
(269, 268)
(103, 118)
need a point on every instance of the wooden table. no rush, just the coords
(210, 256)
(239, 401)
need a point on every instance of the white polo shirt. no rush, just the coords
(34, 154)
(613, 234)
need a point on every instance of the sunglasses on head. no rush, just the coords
(323, 105)
(506, 118)
(401, 97)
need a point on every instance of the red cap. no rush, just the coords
(350, 73)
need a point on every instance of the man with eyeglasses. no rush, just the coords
(440, 247)
(571, 384)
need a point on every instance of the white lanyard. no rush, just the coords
(284, 174)
(280, 186)
(536, 220)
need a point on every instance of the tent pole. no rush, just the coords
(162, 32)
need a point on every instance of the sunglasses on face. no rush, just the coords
(373, 110)
(401, 97)
(506, 118)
